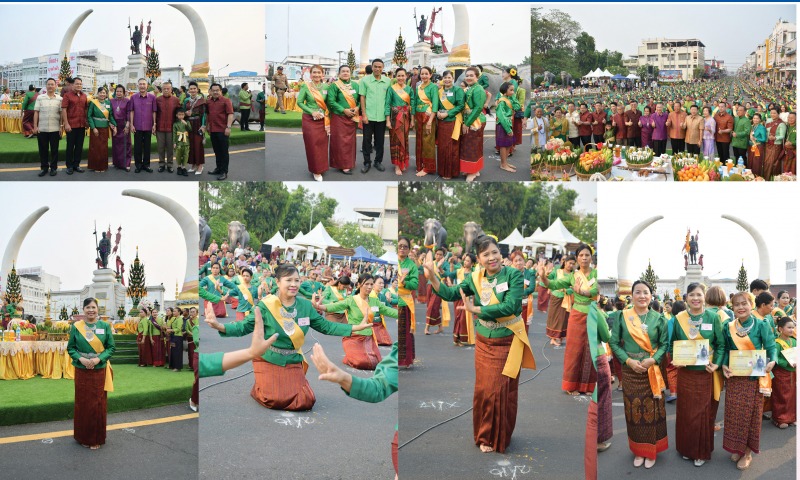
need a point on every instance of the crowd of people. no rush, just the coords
(449, 120)
(758, 124)
(625, 340)
(179, 119)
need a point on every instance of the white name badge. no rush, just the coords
(376, 309)
(527, 282)
(707, 326)
(304, 322)
(591, 282)
(503, 287)
(449, 94)
(100, 331)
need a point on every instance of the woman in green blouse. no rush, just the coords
(448, 129)
(501, 343)
(280, 381)
(471, 148)
(245, 293)
(316, 122)
(336, 292)
(744, 396)
(425, 104)
(579, 376)
(218, 284)
(399, 120)
(784, 385)
(360, 350)
(560, 304)
(91, 345)
(700, 385)
(504, 129)
(639, 339)
(101, 120)
(559, 127)
(758, 142)
(408, 281)
(342, 100)
(379, 328)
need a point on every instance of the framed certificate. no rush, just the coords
(691, 352)
(748, 363)
(790, 355)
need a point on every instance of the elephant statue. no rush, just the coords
(471, 232)
(435, 234)
(238, 234)
(205, 234)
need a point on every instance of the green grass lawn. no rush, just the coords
(290, 120)
(15, 148)
(45, 400)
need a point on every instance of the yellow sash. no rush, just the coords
(634, 324)
(683, 321)
(520, 355)
(363, 305)
(445, 308)
(98, 348)
(459, 117)
(350, 100)
(744, 343)
(566, 303)
(424, 98)
(337, 293)
(214, 280)
(103, 109)
(248, 296)
(375, 295)
(320, 101)
(408, 297)
(723, 316)
(783, 343)
(467, 314)
(288, 325)
(578, 275)
(468, 110)
(404, 96)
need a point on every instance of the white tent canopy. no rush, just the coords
(529, 240)
(297, 242)
(556, 234)
(633, 76)
(277, 241)
(606, 73)
(515, 239)
(318, 237)
(390, 258)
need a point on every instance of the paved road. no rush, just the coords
(286, 161)
(548, 439)
(340, 438)
(150, 452)
(246, 163)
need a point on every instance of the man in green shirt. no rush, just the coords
(372, 92)
(245, 97)
(741, 134)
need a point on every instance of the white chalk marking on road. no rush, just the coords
(506, 470)
(298, 422)
(439, 405)
(129, 430)
(47, 441)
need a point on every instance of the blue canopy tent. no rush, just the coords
(619, 77)
(243, 73)
(363, 255)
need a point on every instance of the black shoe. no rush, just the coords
(224, 176)
(43, 173)
(169, 170)
(79, 169)
(261, 129)
(379, 167)
(52, 173)
(185, 172)
(138, 169)
(366, 168)
(347, 172)
(148, 169)
(161, 169)
(214, 172)
(69, 171)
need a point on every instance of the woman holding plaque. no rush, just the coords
(784, 394)
(91, 345)
(700, 385)
(407, 282)
(639, 339)
(744, 394)
(501, 343)
(361, 349)
(280, 381)
(316, 122)
(579, 374)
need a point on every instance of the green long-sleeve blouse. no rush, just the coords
(474, 99)
(782, 362)
(624, 346)
(710, 329)
(761, 336)
(432, 92)
(336, 101)
(508, 290)
(97, 118)
(411, 281)
(78, 344)
(306, 101)
(455, 96)
(505, 115)
(568, 281)
(355, 315)
(394, 100)
(382, 384)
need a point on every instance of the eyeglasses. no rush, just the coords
(402, 247)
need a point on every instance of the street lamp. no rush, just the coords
(220, 69)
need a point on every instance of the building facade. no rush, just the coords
(382, 221)
(676, 59)
(35, 70)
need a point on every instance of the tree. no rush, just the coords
(585, 53)
(351, 60)
(349, 235)
(65, 71)
(699, 72)
(650, 276)
(13, 295)
(137, 289)
(399, 59)
(742, 284)
(153, 68)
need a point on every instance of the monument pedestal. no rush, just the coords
(134, 70)
(694, 274)
(106, 290)
(420, 55)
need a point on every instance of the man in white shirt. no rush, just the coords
(573, 117)
(47, 127)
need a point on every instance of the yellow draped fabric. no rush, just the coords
(11, 117)
(24, 360)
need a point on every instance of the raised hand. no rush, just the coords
(328, 371)
(258, 344)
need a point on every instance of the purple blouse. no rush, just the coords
(660, 131)
(120, 108)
